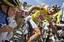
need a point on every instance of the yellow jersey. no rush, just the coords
(34, 16)
(57, 16)
(37, 16)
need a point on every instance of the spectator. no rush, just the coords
(7, 19)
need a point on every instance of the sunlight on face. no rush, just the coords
(51, 10)
(12, 12)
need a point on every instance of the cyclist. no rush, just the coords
(34, 20)
(8, 10)
(47, 15)
(29, 21)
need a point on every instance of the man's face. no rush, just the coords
(51, 11)
(12, 12)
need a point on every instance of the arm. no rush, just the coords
(37, 32)
(8, 3)
(6, 29)
(35, 36)
(61, 25)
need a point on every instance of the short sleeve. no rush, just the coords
(12, 22)
(33, 24)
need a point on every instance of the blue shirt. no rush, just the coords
(2, 18)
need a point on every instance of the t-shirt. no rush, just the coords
(3, 19)
(8, 35)
(12, 22)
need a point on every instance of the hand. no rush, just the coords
(62, 25)
(6, 29)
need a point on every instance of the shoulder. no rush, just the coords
(27, 18)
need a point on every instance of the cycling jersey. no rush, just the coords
(57, 16)
(37, 16)
(29, 25)
(32, 23)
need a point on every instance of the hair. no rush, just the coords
(56, 8)
(25, 3)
